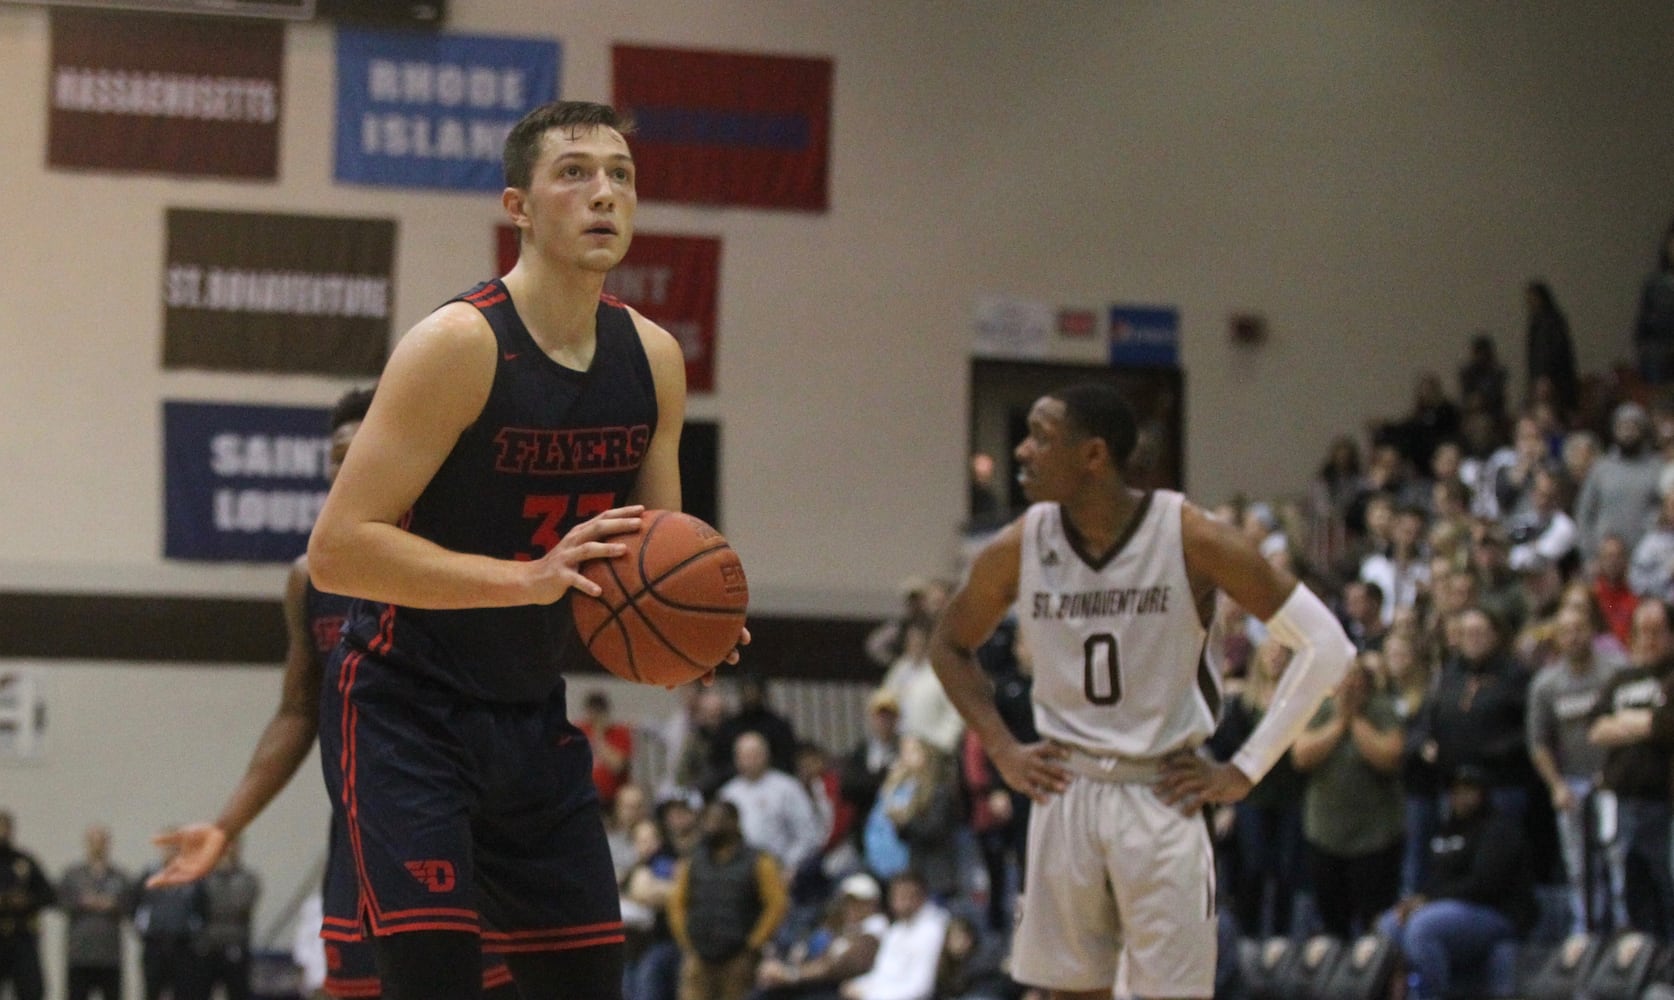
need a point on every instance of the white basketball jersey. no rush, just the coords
(1118, 646)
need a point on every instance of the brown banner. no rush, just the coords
(165, 93)
(277, 293)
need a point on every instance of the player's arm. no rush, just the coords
(280, 750)
(971, 615)
(658, 486)
(433, 388)
(1299, 620)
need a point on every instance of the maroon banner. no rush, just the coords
(162, 93)
(721, 128)
(673, 280)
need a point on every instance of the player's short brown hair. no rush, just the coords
(523, 145)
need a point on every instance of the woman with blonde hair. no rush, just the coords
(914, 819)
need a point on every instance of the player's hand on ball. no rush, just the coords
(1034, 769)
(198, 847)
(1190, 782)
(559, 570)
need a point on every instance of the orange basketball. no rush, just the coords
(672, 607)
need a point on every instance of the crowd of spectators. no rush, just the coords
(194, 940)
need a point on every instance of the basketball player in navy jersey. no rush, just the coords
(313, 620)
(516, 431)
(1113, 589)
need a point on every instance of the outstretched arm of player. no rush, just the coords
(433, 388)
(970, 617)
(280, 750)
(1320, 654)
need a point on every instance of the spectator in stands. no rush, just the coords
(921, 601)
(726, 903)
(230, 892)
(96, 897)
(926, 711)
(809, 974)
(1434, 419)
(756, 715)
(703, 766)
(24, 893)
(1543, 534)
(1636, 769)
(1331, 496)
(811, 883)
(1561, 700)
(1580, 451)
(1482, 378)
(1476, 716)
(1653, 325)
(1620, 495)
(630, 807)
(1404, 569)
(1513, 481)
(651, 957)
(971, 965)
(168, 920)
(1350, 755)
(1551, 355)
(1615, 596)
(673, 732)
(1482, 436)
(774, 812)
(1267, 823)
(869, 760)
(678, 820)
(1363, 614)
(1499, 590)
(1479, 892)
(914, 819)
(1651, 569)
(613, 746)
(911, 949)
(1261, 526)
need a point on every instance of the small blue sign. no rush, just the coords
(242, 483)
(1145, 336)
(433, 111)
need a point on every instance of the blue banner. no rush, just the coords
(242, 483)
(433, 111)
(1146, 336)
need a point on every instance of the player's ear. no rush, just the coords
(514, 201)
(1094, 452)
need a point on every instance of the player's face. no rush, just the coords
(340, 439)
(1047, 466)
(581, 199)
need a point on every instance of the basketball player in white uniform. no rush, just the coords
(1112, 589)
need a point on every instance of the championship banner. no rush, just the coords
(433, 110)
(171, 94)
(253, 292)
(1147, 336)
(673, 280)
(242, 483)
(719, 128)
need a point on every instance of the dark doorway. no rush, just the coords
(700, 464)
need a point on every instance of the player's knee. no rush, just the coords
(576, 974)
(430, 965)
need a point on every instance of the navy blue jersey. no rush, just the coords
(552, 447)
(325, 615)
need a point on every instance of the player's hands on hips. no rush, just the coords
(1190, 782)
(198, 847)
(1034, 768)
(559, 570)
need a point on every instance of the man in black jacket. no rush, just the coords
(24, 892)
(1479, 893)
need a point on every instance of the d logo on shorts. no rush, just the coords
(437, 876)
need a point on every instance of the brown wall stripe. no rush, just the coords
(175, 629)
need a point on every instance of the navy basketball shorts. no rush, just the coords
(461, 815)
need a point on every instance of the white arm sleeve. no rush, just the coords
(1320, 654)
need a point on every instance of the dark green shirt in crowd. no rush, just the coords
(1350, 809)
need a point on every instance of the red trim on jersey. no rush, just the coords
(513, 949)
(440, 911)
(469, 927)
(353, 989)
(490, 294)
(611, 300)
(499, 975)
(609, 925)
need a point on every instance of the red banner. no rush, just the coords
(673, 280)
(179, 95)
(720, 128)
